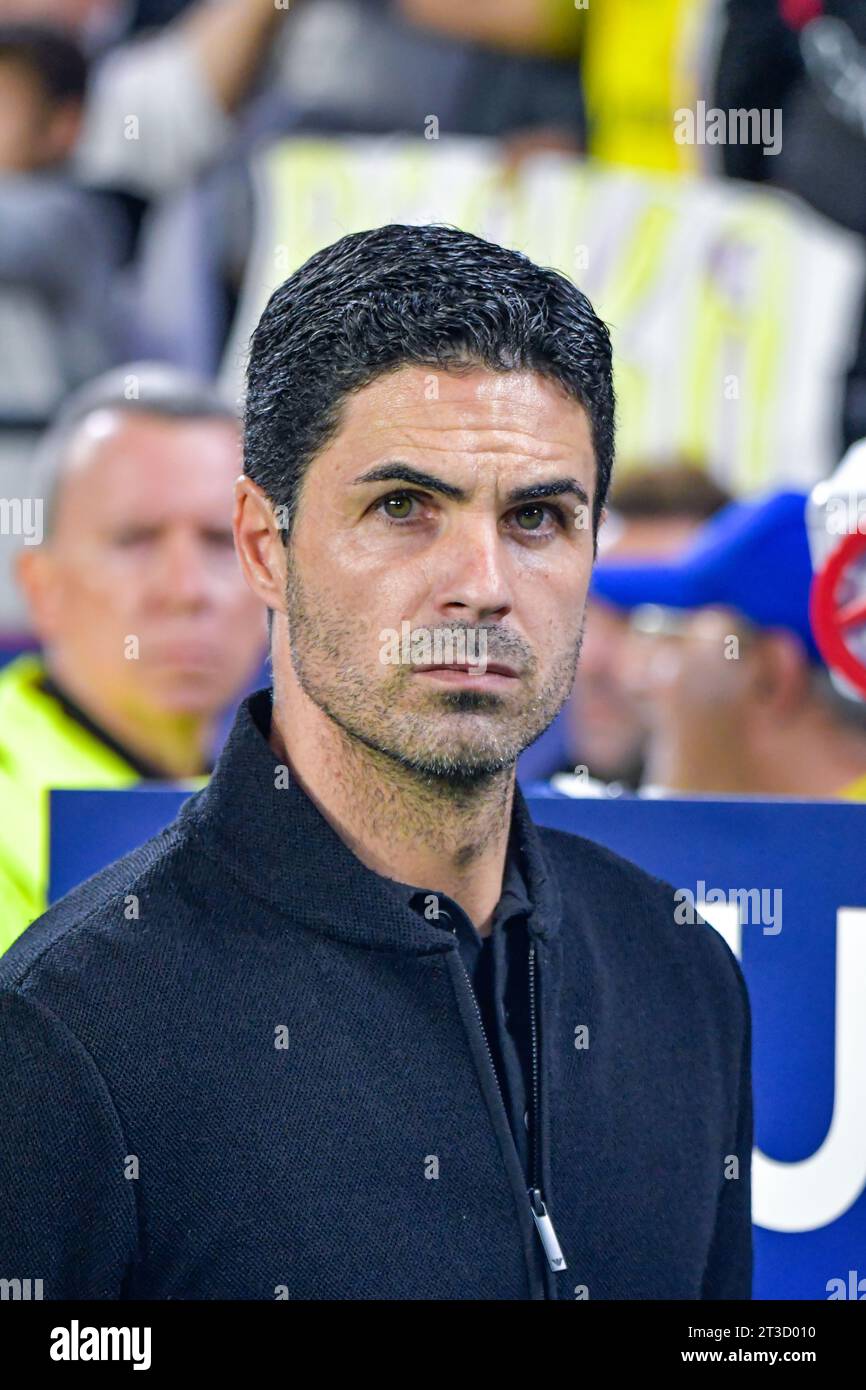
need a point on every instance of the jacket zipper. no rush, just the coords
(543, 1223)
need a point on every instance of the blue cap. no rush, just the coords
(751, 556)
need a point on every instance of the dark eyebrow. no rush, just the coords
(557, 487)
(403, 473)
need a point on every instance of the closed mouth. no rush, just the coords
(494, 668)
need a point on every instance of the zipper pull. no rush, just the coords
(544, 1226)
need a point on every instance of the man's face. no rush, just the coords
(137, 593)
(34, 131)
(694, 687)
(607, 723)
(452, 553)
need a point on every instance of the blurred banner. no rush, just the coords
(783, 883)
(734, 312)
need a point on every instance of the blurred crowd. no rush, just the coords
(114, 113)
(110, 109)
(702, 672)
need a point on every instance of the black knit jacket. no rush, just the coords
(236, 1065)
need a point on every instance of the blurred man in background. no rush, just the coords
(58, 244)
(736, 696)
(42, 86)
(147, 628)
(654, 511)
(159, 108)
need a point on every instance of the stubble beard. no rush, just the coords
(461, 738)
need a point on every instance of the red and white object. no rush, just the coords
(836, 517)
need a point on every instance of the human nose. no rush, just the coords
(473, 582)
(181, 578)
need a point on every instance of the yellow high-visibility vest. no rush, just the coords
(41, 747)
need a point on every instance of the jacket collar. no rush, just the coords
(514, 901)
(257, 822)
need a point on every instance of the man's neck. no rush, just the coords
(428, 832)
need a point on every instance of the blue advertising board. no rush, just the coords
(785, 884)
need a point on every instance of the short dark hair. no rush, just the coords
(51, 56)
(432, 295)
(666, 489)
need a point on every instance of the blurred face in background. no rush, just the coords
(607, 722)
(136, 593)
(36, 132)
(693, 676)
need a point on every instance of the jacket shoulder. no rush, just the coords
(101, 907)
(637, 907)
(568, 853)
